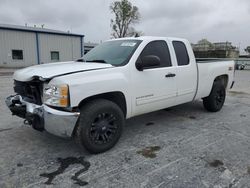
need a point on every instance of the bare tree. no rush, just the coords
(125, 15)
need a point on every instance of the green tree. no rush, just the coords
(247, 49)
(125, 15)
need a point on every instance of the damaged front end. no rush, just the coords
(32, 113)
(28, 104)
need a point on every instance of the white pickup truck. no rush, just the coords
(90, 98)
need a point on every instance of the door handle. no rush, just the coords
(169, 75)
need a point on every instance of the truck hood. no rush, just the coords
(51, 70)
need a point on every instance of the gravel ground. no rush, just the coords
(183, 146)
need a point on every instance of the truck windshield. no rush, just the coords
(116, 52)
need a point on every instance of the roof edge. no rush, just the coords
(45, 32)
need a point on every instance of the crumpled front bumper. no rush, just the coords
(43, 117)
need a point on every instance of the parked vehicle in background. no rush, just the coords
(243, 62)
(240, 66)
(89, 99)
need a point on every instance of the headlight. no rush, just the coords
(56, 95)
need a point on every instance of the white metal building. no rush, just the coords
(22, 46)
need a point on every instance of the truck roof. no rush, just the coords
(150, 38)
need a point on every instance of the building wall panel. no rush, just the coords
(67, 46)
(17, 40)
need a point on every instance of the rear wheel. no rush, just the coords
(216, 99)
(100, 125)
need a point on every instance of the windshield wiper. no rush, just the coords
(97, 60)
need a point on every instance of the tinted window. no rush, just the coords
(160, 49)
(181, 53)
(116, 52)
(54, 55)
(17, 54)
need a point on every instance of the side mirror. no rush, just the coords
(147, 62)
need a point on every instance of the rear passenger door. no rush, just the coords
(154, 88)
(186, 73)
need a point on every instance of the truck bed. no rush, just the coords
(207, 71)
(212, 60)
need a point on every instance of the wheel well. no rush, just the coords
(223, 79)
(117, 97)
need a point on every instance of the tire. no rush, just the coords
(242, 67)
(100, 125)
(216, 99)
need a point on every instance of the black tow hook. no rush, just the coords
(27, 122)
(35, 121)
(29, 118)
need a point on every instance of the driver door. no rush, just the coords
(155, 87)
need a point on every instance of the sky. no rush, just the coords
(215, 20)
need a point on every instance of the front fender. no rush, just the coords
(87, 84)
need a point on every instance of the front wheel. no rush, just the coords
(216, 98)
(100, 125)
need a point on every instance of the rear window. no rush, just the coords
(181, 53)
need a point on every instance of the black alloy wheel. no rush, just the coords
(215, 101)
(100, 125)
(103, 128)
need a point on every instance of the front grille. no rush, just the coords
(31, 90)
